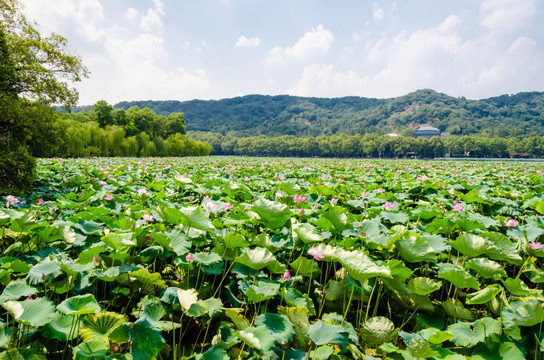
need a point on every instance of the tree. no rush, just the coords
(103, 113)
(175, 124)
(34, 72)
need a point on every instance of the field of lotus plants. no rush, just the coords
(248, 258)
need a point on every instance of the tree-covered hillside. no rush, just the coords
(506, 115)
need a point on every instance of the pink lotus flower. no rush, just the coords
(227, 207)
(190, 198)
(334, 201)
(457, 207)
(109, 197)
(142, 192)
(451, 191)
(189, 257)
(41, 202)
(511, 223)
(287, 276)
(147, 217)
(315, 207)
(278, 195)
(535, 245)
(389, 205)
(12, 200)
(363, 195)
(380, 191)
(301, 212)
(316, 253)
(95, 259)
(299, 198)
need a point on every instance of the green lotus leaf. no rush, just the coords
(484, 295)
(468, 334)
(60, 327)
(299, 318)
(196, 218)
(5, 335)
(280, 326)
(238, 319)
(322, 333)
(234, 240)
(359, 265)
(377, 330)
(304, 266)
(307, 233)
(273, 214)
(262, 290)
(99, 326)
(258, 258)
(79, 305)
(455, 309)
(423, 286)
(31, 312)
(147, 340)
(522, 313)
(457, 276)
(225, 338)
(512, 351)
(174, 240)
(420, 348)
(413, 248)
(394, 217)
(472, 245)
(435, 336)
(205, 307)
(91, 350)
(44, 271)
(295, 298)
(486, 268)
(334, 290)
(213, 353)
(258, 337)
(23, 354)
(145, 277)
(518, 287)
(17, 289)
(535, 274)
(119, 241)
(338, 219)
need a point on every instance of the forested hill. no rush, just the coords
(505, 115)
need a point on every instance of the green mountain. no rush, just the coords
(504, 115)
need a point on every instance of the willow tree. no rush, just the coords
(36, 72)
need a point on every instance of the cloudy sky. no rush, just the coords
(213, 49)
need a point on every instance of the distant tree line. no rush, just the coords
(373, 145)
(103, 131)
(253, 115)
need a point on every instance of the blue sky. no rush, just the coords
(213, 49)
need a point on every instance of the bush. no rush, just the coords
(16, 169)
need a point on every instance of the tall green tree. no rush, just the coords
(35, 71)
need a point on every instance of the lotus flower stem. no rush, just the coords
(349, 304)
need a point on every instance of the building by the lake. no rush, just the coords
(426, 131)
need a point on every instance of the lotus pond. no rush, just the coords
(219, 258)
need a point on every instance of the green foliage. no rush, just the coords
(213, 258)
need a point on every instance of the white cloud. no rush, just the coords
(377, 12)
(245, 42)
(131, 14)
(86, 16)
(437, 58)
(318, 40)
(152, 22)
(159, 6)
(507, 14)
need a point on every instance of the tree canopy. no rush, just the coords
(35, 71)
